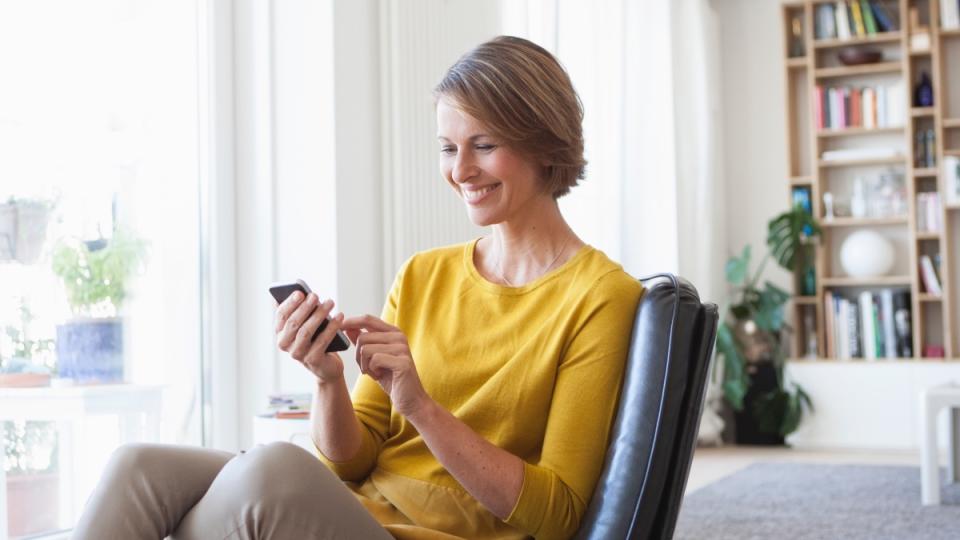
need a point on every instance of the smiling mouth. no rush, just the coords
(474, 196)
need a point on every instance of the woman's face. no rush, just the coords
(493, 181)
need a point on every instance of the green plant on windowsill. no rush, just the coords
(26, 355)
(96, 274)
(754, 329)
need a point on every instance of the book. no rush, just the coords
(857, 18)
(854, 348)
(868, 23)
(886, 321)
(842, 20)
(903, 323)
(929, 276)
(829, 323)
(868, 337)
(825, 26)
(887, 19)
(949, 14)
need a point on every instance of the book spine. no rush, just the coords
(856, 107)
(869, 24)
(866, 324)
(889, 331)
(857, 18)
(930, 281)
(877, 330)
(819, 106)
(883, 22)
(829, 313)
(853, 330)
(841, 20)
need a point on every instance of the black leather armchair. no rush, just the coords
(655, 430)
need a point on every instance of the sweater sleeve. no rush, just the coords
(557, 487)
(372, 407)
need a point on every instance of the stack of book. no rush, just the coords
(288, 406)
(950, 14)
(855, 18)
(871, 325)
(867, 107)
(928, 212)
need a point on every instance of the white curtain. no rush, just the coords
(648, 76)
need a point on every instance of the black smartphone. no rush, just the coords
(280, 292)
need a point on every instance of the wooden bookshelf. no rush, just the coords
(863, 222)
(852, 131)
(882, 37)
(932, 316)
(861, 162)
(853, 71)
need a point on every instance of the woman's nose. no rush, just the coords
(463, 168)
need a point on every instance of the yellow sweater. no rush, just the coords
(535, 370)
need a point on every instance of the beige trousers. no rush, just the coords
(276, 491)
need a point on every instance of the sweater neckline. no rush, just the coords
(471, 268)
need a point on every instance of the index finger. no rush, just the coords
(367, 322)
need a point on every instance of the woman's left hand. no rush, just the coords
(384, 354)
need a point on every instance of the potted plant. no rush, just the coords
(95, 275)
(30, 361)
(33, 479)
(23, 228)
(752, 335)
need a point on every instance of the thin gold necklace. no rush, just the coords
(549, 266)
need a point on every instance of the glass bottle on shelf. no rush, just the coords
(923, 92)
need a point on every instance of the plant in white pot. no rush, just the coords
(96, 276)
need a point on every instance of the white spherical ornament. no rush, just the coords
(867, 254)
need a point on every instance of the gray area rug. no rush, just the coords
(800, 501)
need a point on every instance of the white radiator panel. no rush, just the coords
(420, 40)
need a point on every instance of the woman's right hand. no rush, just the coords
(297, 318)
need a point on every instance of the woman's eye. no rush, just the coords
(448, 150)
(485, 147)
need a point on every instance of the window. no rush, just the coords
(100, 329)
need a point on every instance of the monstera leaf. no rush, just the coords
(785, 235)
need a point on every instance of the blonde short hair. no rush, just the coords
(522, 94)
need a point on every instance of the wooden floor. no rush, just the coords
(710, 464)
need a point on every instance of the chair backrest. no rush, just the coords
(645, 470)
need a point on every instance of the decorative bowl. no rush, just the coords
(854, 56)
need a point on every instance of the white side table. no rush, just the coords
(932, 401)
(137, 408)
(293, 430)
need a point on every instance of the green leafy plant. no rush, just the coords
(29, 355)
(96, 274)
(30, 447)
(754, 328)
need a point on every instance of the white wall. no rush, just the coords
(755, 150)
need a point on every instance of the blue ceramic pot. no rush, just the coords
(90, 350)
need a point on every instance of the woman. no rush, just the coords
(488, 385)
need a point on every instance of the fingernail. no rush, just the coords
(328, 303)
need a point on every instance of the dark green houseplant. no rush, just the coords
(754, 330)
